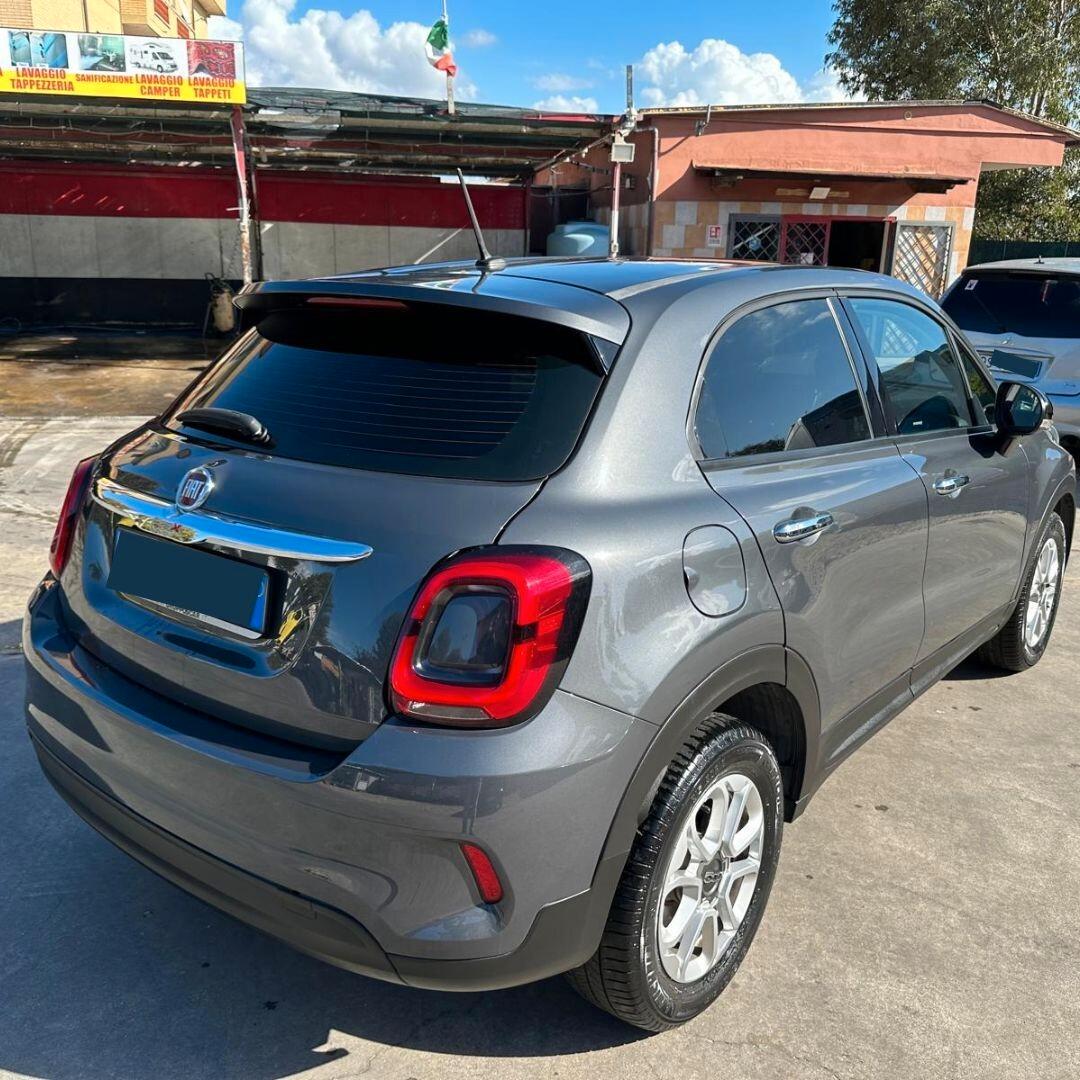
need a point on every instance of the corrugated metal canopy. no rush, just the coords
(299, 129)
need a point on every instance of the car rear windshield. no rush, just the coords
(1031, 305)
(418, 388)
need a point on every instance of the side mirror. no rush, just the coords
(1021, 409)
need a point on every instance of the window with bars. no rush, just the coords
(805, 243)
(756, 238)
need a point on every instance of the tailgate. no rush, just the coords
(316, 674)
(409, 429)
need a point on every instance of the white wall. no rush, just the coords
(72, 246)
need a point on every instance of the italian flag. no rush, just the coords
(437, 48)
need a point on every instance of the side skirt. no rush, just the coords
(846, 736)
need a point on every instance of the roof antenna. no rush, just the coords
(487, 261)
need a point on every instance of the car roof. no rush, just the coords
(1032, 266)
(595, 295)
(620, 278)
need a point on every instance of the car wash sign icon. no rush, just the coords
(70, 64)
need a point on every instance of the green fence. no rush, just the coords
(993, 250)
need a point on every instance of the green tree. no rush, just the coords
(1021, 53)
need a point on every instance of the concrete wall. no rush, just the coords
(37, 245)
(681, 228)
(67, 235)
(953, 141)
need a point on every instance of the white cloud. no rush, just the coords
(715, 72)
(571, 104)
(558, 83)
(325, 50)
(478, 38)
(824, 85)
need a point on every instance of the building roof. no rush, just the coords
(294, 128)
(1072, 135)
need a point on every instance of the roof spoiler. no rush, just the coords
(461, 285)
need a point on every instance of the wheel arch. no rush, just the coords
(771, 689)
(1065, 508)
(765, 677)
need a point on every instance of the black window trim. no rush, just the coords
(871, 361)
(829, 295)
(961, 346)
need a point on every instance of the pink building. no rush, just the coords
(887, 186)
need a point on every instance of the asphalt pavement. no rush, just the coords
(925, 921)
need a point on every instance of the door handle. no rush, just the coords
(792, 529)
(951, 483)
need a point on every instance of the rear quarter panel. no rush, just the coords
(1053, 476)
(626, 502)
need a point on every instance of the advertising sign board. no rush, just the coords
(73, 64)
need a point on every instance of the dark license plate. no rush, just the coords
(1003, 360)
(194, 581)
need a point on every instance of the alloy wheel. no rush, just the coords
(1042, 594)
(710, 878)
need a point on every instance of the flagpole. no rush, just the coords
(449, 77)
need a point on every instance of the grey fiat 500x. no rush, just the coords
(462, 628)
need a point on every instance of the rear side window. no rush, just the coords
(779, 379)
(1031, 305)
(422, 388)
(920, 377)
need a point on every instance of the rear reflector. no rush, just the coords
(487, 880)
(60, 548)
(489, 635)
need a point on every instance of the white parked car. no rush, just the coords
(1023, 316)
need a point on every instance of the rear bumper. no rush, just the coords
(314, 928)
(310, 927)
(356, 863)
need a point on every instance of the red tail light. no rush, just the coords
(488, 636)
(60, 548)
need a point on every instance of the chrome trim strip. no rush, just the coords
(161, 518)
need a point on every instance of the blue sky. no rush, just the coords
(560, 52)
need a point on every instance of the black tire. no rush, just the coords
(625, 976)
(1009, 649)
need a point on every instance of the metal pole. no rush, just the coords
(654, 174)
(613, 237)
(527, 192)
(449, 77)
(249, 243)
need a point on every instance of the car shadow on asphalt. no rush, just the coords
(974, 669)
(107, 970)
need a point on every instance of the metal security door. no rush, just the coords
(921, 256)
